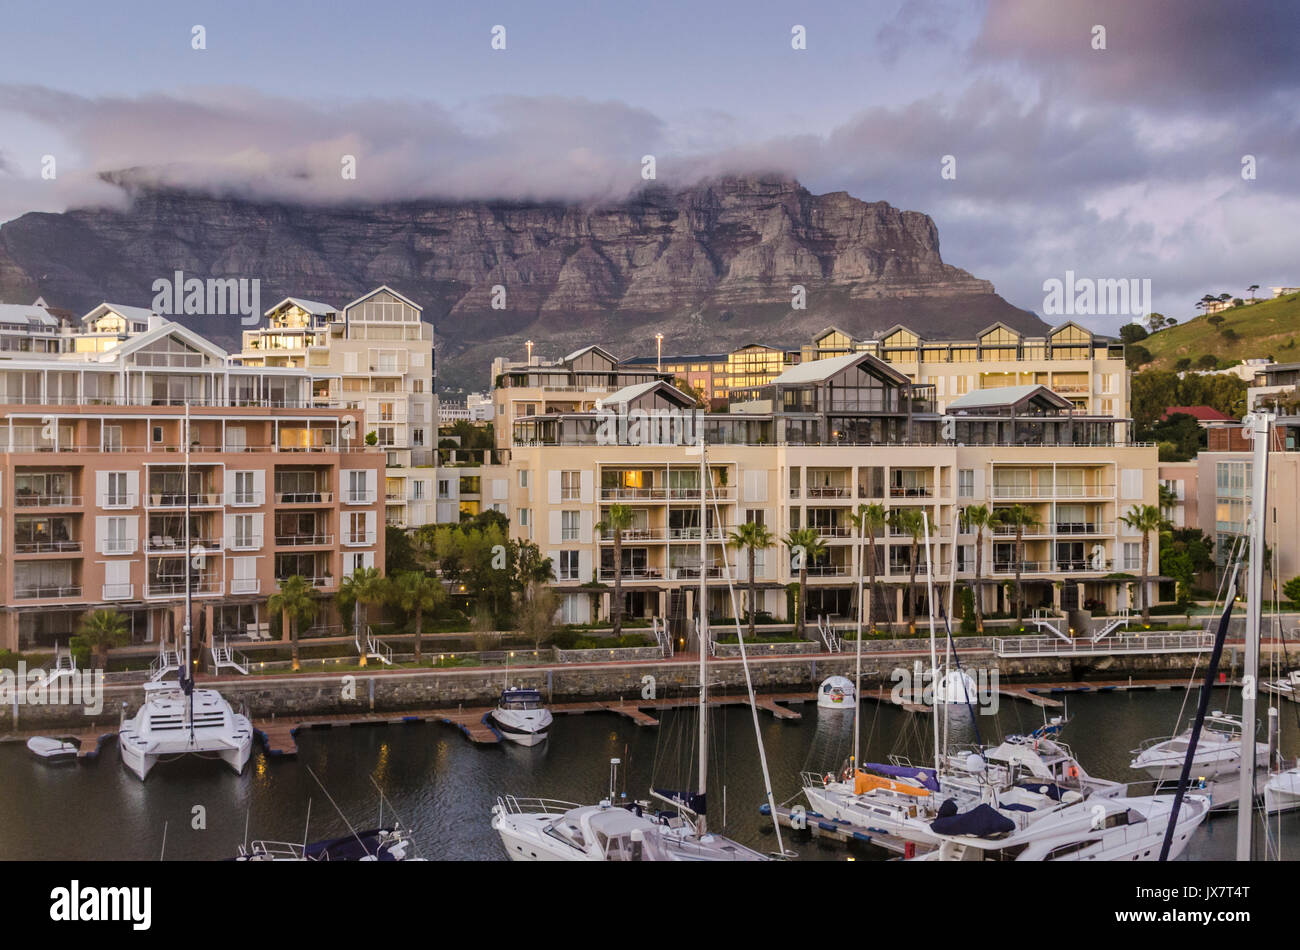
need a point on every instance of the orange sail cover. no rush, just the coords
(864, 782)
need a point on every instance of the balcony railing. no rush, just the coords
(635, 574)
(47, 547)
(176, 588)
(47, 501)
(37, 592)
(119, 545)
(359, 537)
(304, 498)
(122, 500)
(245, 585)
(118, 591)
(366, 497)
(203, 499)
(300, 540)
(239, 499)
(175, 544)
(1050, 491)
(915, 491)
(249, 542)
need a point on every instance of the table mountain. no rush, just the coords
(710, 266)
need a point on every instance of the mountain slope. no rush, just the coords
(711, 266)
(1266, 328)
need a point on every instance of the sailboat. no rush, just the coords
(542, 829)
(175, 718)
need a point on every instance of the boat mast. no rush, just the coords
(934, 660)
(702, 634)
(187, 681)
(857, 674)
(1258, 423)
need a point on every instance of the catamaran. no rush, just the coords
(175, 718)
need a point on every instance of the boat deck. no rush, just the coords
(833, 829)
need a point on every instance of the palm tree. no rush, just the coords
(99, 630)
(807, 545)
(1168, 501)
(296, 605)
(1020, 517)
(415, 592)
(617, 520)
(1251, 290)
(982, 519)
(364, 587)
(1144, 518)
(909, 521)
(754, 537)
(869, 520)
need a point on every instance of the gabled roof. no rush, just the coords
(587, 349)
(632, 393)
(1003, 396)
(170, 328)
(996, 325)
(827, 331)
(381, 288)
(894, 329)
(130, 313)
(314, 307)
(817, 371)
(25, 313)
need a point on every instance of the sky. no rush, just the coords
(1111, 155)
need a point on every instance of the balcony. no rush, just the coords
(364, 497)
(168, 544)
(119, 546)
(203, 499)
(47, 501)
(202, 587)
(61, 592)
(354, 538)
(1049, 492)
(304, 498)
(303, 540)
(245, 585)
(912, 491)
(244, 499)
(123, 500)
(638, 574)
(118, 591)
(246, 543)
(47, 547)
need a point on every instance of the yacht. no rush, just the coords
(54, 751)
(1287, 687)
(377, 844)
(521, 716)
(835, 692)
(1218, 753)
(544, 830)
(1108, 829)
(1282, 791)
(956, 687)
(170, 724)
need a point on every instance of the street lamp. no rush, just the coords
(659, 352)
(529, 344)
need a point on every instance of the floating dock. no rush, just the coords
(833, 829)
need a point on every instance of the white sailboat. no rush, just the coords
(177, 719)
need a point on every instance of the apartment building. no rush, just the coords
(93, 488)
(376, 355)
(823, 437)
(705, 373)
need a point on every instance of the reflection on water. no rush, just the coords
(443, 786)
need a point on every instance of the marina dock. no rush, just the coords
(833, 829)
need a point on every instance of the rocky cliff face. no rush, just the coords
(711, 266)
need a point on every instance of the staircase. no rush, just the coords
(167, 661)
(662, 636)
(225, 657)
(377, 649)
(1041, 621)
(1122, 621)
(65, 664)
(827, 632)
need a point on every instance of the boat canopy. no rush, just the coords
(863, 783)
(514, 695)
(917, 774)
(982, 821)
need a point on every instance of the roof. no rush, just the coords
(688, 358)
(130, 313)
(1006, 396)
(170, 328)
(1199, 413)
(816, 371)
(587, 349)
(384, 287)
(314, 307)
(629, 393)
(25, 313)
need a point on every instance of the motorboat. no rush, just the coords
(1287, 687)
(1282, 791)
(835, 692)
(521, 716)
(956, 687)
(376, 844)
(170, 723)
(54, 751)
(1218, 751)
(1107, 829)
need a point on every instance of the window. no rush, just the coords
(523, 517)
(244, 493)
(1132, 556)
(115, 537)
(966, 483)
(112, 438)
(523, 478)
(417, 437)
(568, 565)
(754, 515)
(417, 490)
(570, 486)
(116, 495)
(358, 486)
(157, 434)
(569, 521)
(444, 488)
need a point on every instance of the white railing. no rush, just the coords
(124, 500)
(827, 631)
(360, 497)
(245, 585)
(165, 662)
(1083, 646)
(118, 591)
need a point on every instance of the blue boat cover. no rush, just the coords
(349, 848)
(1050, 789)
(521, 695)
(924, 776)
(695, 801)
(980, 822)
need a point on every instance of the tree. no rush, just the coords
(366, 586)
(805, 544)
(870, 521)
(537, 607)
(1136, 356)
(1183, 364)
(399, 551)
(618, 518)
(296, 605)
(1251, 290)
(1146, 519)
(1292, 590)
(1155, 321)
(1133, 333)
(99, 631)
(1207, 361)
(479, 563)
(981, 519)
(1215, 320)
(1019, 517)
(909, 521)
(415, 592)
(752, 537)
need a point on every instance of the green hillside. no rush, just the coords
(1266, 328)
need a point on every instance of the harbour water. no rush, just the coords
(443, 786)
